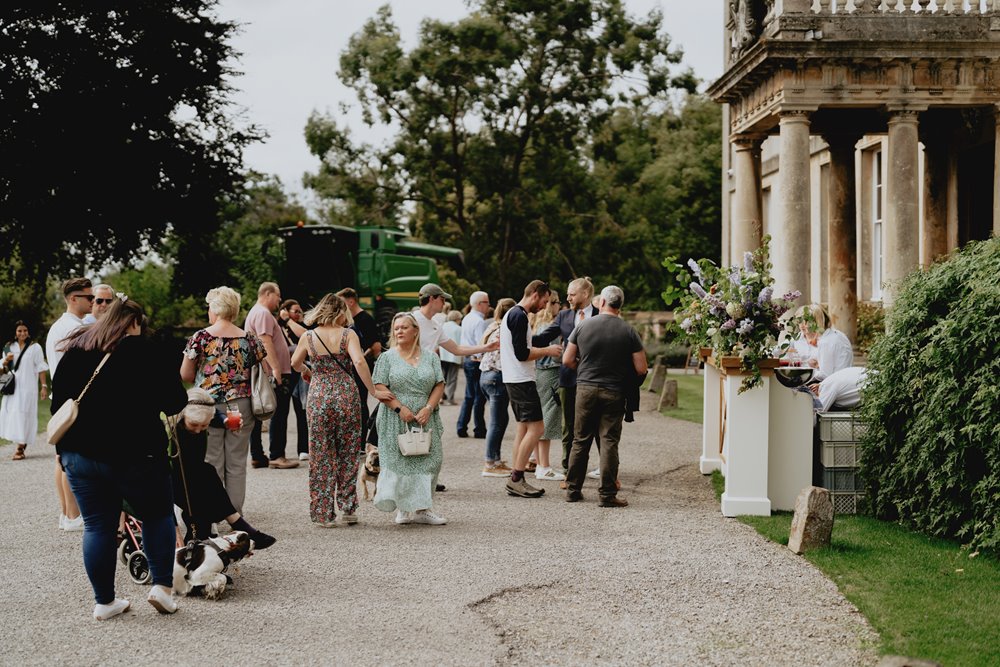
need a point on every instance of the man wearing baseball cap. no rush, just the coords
(432, 334)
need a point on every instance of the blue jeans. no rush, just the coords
(99, 489)
(474, 403)
(492, 385)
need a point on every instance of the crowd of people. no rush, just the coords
(563, 370)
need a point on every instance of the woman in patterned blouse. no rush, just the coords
(218, 359)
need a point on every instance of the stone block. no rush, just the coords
(659, 375)
(668, 396)
(812, 524)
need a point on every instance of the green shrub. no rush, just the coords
(871, 324)
(931, 456)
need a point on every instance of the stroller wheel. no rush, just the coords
(138, 567)
(125, 549)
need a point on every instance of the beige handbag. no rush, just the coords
(414, 441)
(262, 395)
(67, 412)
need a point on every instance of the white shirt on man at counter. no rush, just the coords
(843, 388)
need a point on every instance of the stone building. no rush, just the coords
(863, 139)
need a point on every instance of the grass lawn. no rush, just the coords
(927, 598)
(690, 388)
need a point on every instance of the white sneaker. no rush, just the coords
(103, 612)
(403, 517)
(303, 457)
(162, 599)
(594, 474)
(73, 525)
(428, 517)
(62, 521)
(548, 475)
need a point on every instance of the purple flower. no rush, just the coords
(699, 290)
(695, 269)
(746, 326)
(686, 324)
(765, 295)
(793, 295)
(734, 276)
(728, 325)
(748, 261)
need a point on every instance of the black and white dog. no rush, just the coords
(199, 566)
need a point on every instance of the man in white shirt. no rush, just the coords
(79, 302)
(474, 404)
(842, 389)
(432, 334)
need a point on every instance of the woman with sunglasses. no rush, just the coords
(120, 454)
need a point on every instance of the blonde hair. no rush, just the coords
(455, 316)
(224, 302)
(584, 285)
(200, 408)
(328, 311)
(544, 317)
(392, 328)
(820, 320)
(503, 305)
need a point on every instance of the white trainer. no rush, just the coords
(548, 475)
(162, 599)
(62, 521)
(103, 612)
(428, 517)
(403, 517)
(73, 525)
(594, 474)
(303, 456)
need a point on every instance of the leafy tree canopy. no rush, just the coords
(497, 117)
(115, 127)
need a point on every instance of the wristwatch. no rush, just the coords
(396, 409)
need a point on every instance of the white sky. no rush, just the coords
(291, 53)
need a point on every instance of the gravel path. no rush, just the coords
(666, 581)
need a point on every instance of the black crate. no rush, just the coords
(841, 479)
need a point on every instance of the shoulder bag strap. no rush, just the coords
(20, 356)
(332, 356)
(96, 371)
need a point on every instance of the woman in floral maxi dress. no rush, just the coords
(415, 379)
(333, 410)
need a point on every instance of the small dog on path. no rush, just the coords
(369, 472)
(199, 566)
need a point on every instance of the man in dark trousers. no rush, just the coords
(578, 294)
(367, 330)
(609, 357)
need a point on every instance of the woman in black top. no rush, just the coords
(117, 447)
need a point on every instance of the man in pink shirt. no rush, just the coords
(261, 321)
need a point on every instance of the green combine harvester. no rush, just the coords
(384, 265)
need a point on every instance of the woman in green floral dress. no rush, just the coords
(405, 483)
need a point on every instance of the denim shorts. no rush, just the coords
(524, 401)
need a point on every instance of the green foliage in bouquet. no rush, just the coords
(931, 454)
(734, 311)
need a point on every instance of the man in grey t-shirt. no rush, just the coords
(609, 357)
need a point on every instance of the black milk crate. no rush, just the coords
(841, 479)
(840, 427)
(846, 502)
(839, 454)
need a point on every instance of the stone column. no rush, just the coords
(935, 230)
(746, 219)
(902, 232)
(996, 174)
(842, 281)
(790, 231)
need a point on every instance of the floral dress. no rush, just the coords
(333, 412)
(224, 363)
(406, 482)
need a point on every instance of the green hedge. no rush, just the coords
(931, 456)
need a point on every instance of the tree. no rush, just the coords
(495, 114)
(115, 128)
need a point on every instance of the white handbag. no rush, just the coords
(262, 396)
(414, 441)
(67, 413)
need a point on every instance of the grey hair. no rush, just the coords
(200, 408)
(103, 286)
(613, 296)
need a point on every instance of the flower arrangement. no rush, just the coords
(734, 311)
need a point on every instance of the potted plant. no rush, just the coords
(735, 312)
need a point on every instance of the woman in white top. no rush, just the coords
(19, 411)
(834, 351)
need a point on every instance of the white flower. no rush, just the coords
(191, 354)
(735, 310)
(712, 331)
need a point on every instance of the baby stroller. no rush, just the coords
(130, 550)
